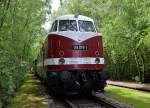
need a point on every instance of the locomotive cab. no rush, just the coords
(74, 56)
(76, 24)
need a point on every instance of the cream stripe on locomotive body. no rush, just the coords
(83, 60)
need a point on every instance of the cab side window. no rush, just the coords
(86, 26)
(54, 26)
(67, 25)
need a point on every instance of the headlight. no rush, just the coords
(61, 61)
(97, 60)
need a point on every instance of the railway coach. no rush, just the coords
(71, 60)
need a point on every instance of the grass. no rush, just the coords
(28, 96)
(139, 99)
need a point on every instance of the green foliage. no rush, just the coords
(28, 95)
(136, 98)
(125, 25)
(20, 32)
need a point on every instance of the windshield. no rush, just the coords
(67, 25)
(86, 26)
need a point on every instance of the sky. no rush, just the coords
(55, 5)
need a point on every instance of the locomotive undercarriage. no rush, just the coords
(75, 82)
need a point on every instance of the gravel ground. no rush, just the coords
(50, 101)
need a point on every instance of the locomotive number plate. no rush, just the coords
(80, 47)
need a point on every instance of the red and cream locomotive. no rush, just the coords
(71, 60)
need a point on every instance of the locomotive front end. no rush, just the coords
(75, 55)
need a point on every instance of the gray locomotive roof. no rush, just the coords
(72, 17)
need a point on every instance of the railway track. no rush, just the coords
(105, 103)
(82, 103)
(91, 101)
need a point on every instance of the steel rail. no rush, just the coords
(97, 99)
(68, 103)
(104, 102)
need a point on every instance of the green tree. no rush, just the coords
(20, 31)
(125, 28)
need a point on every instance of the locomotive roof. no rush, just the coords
(72, 17)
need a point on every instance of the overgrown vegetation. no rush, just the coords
(29, 95)
(125, 25)
(20, 32)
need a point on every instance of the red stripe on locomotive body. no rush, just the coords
(59, 43)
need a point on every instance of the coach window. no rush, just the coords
(54, 26)
(86, 26)
(67, 25)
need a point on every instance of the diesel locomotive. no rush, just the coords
(71, 60)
